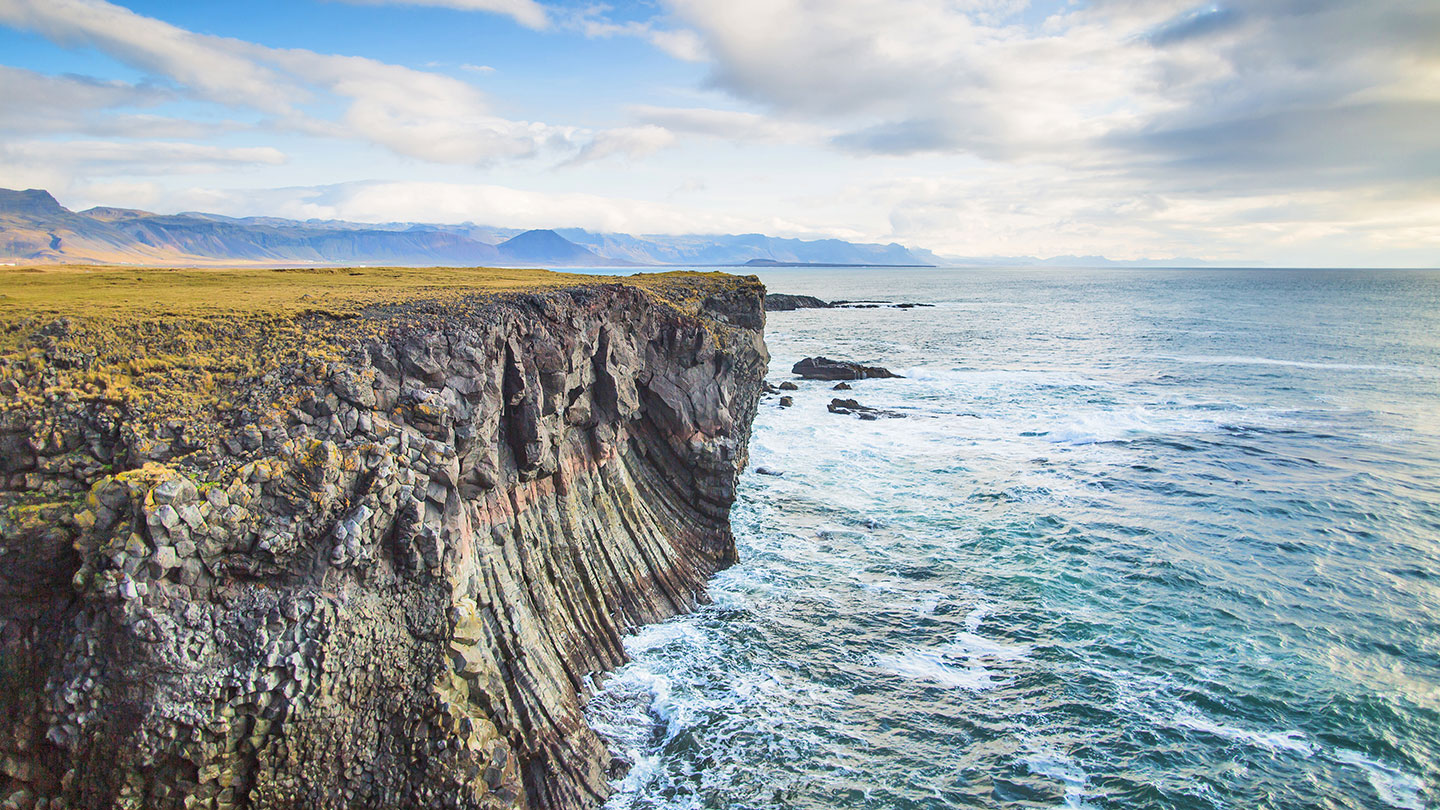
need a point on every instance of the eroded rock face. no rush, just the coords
(399, 592)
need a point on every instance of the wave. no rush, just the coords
(1296, 742)
(1394, 787)
(963, 663)
(1054, 765)
(1104, 427)
(1242, 360)
(931, 665)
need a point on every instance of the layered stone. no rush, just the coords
(400, 591)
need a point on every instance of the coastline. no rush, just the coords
(357, 538)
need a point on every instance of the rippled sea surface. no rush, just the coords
(1146, 539)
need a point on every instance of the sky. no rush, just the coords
(1285, 132)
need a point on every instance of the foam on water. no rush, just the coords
(1121, 554)
(1055, 765)
(1394, 787)
(1292, 741)
(936, 666)
(1311, 364)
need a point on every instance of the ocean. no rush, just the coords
(1144, 539)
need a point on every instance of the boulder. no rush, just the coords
(850, 406)
(823, 368)
(780, 302)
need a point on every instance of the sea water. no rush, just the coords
(1144, 539)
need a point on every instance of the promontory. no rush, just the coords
(349, 538)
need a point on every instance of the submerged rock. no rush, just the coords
(823, 368)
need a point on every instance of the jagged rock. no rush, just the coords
(786, 402)
(823, 368)
(841, 386)
(781, 302)
(850, 406)
(387, 579)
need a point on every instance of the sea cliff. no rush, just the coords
(349, 539)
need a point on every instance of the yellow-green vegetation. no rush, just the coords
(83, 290)
(79, 291)
(181, 346)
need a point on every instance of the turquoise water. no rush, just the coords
(1147, 539)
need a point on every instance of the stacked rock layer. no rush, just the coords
(394, 581)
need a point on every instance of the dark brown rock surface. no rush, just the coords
(382, 578)
(824, 368)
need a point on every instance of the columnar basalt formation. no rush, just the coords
(382, 575)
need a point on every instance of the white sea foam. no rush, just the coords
(963, 663)
(1241, 360)
(1293, 741)
(1394, 787)
(970, 644)
(931, 665)
(1055, 765)
(1095, 427)
(657, 635)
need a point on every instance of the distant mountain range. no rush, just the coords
(35, 228)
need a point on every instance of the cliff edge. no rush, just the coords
(349, 538)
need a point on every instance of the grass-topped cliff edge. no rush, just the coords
(344, 539)
(180, 357)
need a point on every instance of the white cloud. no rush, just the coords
(39, 104)
(630, 142)
(212, 67)
(680, 43)
(1114, 82)
(455, 203)
(526, 12)
(58, 162)
(731, 125)
(415, 113)
(1032, 211)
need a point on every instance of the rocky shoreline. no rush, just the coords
(380, 567)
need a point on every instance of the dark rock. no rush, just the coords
(789, 386)
(850, 406)
(786, 402)
(823, 368)
(403, 616)
(841, 386)
(780, 302)
(768, 471)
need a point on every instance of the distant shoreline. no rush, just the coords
(773, 263)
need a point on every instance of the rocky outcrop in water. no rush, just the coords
(848, 407)
(385, 576)
(823, 368)
(783, 302)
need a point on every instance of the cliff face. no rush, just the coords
(383, 577)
